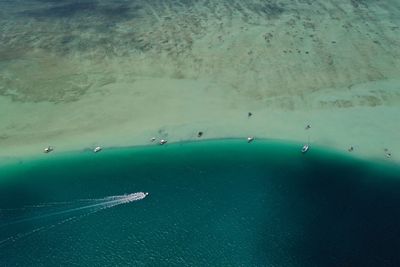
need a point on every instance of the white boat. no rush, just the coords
(97, 149)
(48, 149)
(133, 197)
(305, 148)
(250, 139)
(162, 142)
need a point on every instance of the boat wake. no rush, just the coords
(49, 215)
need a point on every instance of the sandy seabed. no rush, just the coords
(78, 74)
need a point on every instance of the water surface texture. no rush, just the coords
(214, 203)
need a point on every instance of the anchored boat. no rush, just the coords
(305, 148)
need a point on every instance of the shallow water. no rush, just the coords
(177, 67)
(214, 203)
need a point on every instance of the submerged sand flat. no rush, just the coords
(76, 74)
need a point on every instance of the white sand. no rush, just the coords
(119, 117)
(336, 68)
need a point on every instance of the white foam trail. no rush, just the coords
(61, 203)
(107, 202)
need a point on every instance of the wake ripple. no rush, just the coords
(92, 206)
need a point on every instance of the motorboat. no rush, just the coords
(97, 149)
(305, 148)
(48, 149)
(250, 139)
(163, 141)
(133, 197)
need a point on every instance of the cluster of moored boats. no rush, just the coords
(250, 139)
(50, 149)
(163, 142)
(304, 149)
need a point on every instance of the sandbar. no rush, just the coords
(120, 74)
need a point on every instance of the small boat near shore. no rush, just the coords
(48, 149)
(163, 141)
(305, 148)
(97, 149)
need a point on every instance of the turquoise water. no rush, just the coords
(212, 203)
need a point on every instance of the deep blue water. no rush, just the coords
(213, 203)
